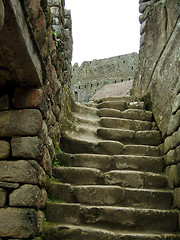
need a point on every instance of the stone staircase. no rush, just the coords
(110, 184)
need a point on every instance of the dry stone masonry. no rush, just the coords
(34, 66)
(107, 170)
(112, 184)
(93, 75)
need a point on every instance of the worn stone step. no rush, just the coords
(135, 179)
(134, 114)
(116, 218)
(72, 232)
(136, 105)
(106, 162)
(119, 105)
(85, 111)
(125, 98)
(142, 150)
(121, 135)
(73, 145)
(111, 196)
(126, 124)
(78, 175)
(151, 137)
(130, 218)
(83, 120)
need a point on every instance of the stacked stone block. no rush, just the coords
(62, 31)
(157, 79)
(30, 116)
(172, 148)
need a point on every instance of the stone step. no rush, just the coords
(136, 105)
(126, 124)
(125, 98)
(142, 150)
(111, 196)
(83, 120)
(119, 105)
(152, 137)
(116, 218)
(134, 114)
(107, 163)
(123, 178)
(78, 175)
(135, 179)
(72, 232)
(73, 145)
(86, 111)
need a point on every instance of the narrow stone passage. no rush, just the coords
(109, 181)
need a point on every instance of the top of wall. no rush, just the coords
(93, 75)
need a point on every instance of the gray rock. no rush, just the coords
(174, 123)
(3, 195)
(26, 148)
(5, 149)
(18, 222)
(22, 172)
(170, 157)
(28, 196)
(9, 185)
(176, 104)
(20, 122)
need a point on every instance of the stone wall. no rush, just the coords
(93, 75)
(157, 80)
(35, 63)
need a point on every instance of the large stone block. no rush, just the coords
(168, 144)
(27, 97)
(173, 173)
(177, 154)
(28, 196)
(26, 148)
(170, 157)
(47, 162)
(174, 123)
(22, 172)
(18, 222)
(176, 104)
(5, 149)
(3, 195)
(20, 122)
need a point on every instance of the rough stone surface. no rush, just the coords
(173, 176)
(1, 14)
(20, 122)
(3, 195)
(156, 77)
(113, 90)
(174, 123)
(26, 148)
(9, 185)
(5, 149)
(22, 172)
(28, 196)
(92, 76)
(4, 102)
(176, 104)
(27, 97)
(18, 222)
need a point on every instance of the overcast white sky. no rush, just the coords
(104, 28)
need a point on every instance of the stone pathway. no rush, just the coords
(110, 184)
